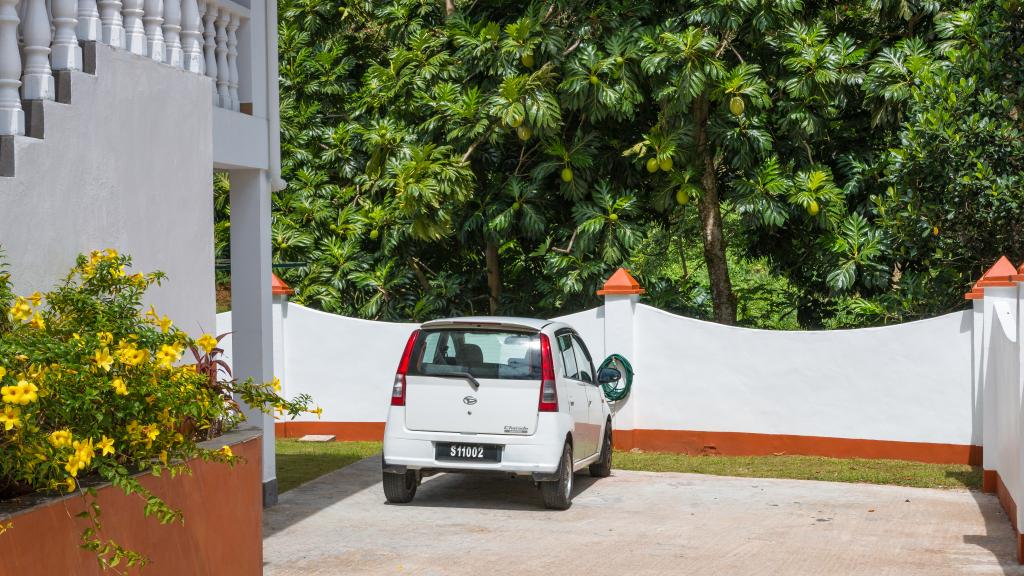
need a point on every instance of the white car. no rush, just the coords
(514, 396)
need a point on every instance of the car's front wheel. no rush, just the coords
(558, 493)
(401, 488)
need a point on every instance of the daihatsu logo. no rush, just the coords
(470, 400)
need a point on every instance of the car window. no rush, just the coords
(586, 366)
(569, 369)
(482, 353)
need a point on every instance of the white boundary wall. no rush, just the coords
(910, 382)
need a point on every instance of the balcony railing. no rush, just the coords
(39, 38)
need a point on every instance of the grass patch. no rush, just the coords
(894, 472)
(300, 462)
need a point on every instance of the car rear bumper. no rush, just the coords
(537, 454)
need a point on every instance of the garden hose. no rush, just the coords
(618, 390)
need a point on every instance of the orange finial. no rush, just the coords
(621, 283)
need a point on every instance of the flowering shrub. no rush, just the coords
(90, 385)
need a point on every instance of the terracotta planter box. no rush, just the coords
(222, 533)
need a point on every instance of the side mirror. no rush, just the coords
(608, 375)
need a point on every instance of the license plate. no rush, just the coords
(467, 452)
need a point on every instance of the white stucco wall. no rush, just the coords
(127, 164)
(909, 382)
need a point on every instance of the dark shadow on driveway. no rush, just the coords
(487, 491)
(999, 537)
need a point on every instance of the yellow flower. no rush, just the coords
(21, 393)
(84, 451)
(10, 417)
(139, 280)
(106, 338)
(3, 372)
(111, 253)
(36, 298)
(151, 313)
(74, 465)
(276, 383)
(164, 324)
(21, 310)
(60, 438)
(106, 446)
(163, 457)
(226, 450)
(150, 432)
(119, 386)
(318, 411)
(167, 356)
(69, 483)
(37, 322)
(103, 359)
(207, 343)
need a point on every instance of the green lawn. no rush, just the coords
(299, 462)
(895, 472)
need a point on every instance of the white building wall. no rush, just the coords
(128, 165)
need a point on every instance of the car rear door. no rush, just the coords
(579, 395)
(595, 395)
(474, 381)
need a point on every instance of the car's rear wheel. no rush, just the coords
(401, 488)
(603, 467)
(558, 493)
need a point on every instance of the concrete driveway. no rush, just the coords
(635, 523)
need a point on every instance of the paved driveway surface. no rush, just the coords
(635, 523)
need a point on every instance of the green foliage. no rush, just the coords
(562, 136)
(92, 386)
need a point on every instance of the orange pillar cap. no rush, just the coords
(278, 287)
(1001, 274)
(621, 282)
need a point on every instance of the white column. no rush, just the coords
(12, 119)
(223, 74)
(191, 37)
(977, 371)
(251, 340)
(67, 55)
(111, 24)
(134, 32)
(172, 33)
(210, 46)
(37, 81)
(89, 28)
(619, 338)
(279, 315)
(153, 23)
(233, 61)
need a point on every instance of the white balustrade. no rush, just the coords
(223, 74)
(12, 119)
(192, 36)
(210, 46)
(37, 81)
(233, 24)
(111, 24)
(134, 31)
(67, 55)
(153, 24)
(89, 27)
(172, 33)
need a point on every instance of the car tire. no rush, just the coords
(557, 494)
(401, 488)
(603, 467)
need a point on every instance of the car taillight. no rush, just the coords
(398, 388)
(548, 395)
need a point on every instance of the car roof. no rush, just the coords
(516, 323)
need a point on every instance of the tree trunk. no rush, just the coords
(449, 7)
(711, 222)
(493, 276)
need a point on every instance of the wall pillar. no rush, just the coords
(251, 313)
(279, 293)
(621, 295)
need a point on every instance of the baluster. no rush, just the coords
(12, 119)
(88, 21)
(37, 82)
(111, 24)
(153, 23)
(191, 37)
(223, 74)
(210, 46)
(134, 32)
(172, 32)
(67, 55)
(233, 61)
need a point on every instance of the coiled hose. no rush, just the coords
(618, 390)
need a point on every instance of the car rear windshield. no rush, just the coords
(495, 354)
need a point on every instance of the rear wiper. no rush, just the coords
(472, 379)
